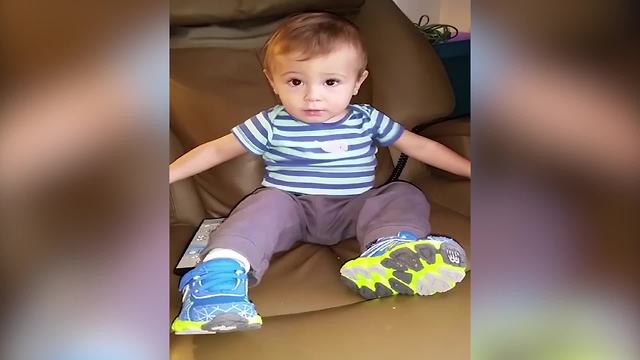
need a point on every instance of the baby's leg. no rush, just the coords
(215, 292)
(398, 256)
(390, 209)
(264, 223)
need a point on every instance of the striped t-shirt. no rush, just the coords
(322, 158)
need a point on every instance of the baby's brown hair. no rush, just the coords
(313, 34)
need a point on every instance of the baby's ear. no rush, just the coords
(363, 76)
(266, 73)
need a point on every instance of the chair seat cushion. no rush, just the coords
(307, 278)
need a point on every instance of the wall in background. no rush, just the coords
(452, 12)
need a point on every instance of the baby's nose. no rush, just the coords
(312, 94)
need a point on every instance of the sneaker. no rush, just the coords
(406, 265)
(214, 299)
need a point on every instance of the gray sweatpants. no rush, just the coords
(271, 220)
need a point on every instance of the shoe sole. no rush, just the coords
(423, 267)
(220, 324)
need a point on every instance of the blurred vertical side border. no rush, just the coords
(83, 179)
(556, 188)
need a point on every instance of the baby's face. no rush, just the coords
(317, 90)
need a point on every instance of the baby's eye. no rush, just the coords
(332, 82)
(294, 82)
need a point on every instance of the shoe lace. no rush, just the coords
(378, 246)
(385, 244)
(213, 280)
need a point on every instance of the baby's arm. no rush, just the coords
(205, 156)
(433, 153)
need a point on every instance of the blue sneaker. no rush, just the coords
(214, 299)
(406, 265)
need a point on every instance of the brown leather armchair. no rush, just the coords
(216, 83)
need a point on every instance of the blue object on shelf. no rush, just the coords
(456, 57)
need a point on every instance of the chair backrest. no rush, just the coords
(217, 82)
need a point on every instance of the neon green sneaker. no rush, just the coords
(406, 265)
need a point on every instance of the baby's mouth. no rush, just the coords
(313, 112)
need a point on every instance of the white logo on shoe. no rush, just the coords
(453, 256)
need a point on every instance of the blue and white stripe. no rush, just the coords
(298, 155)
